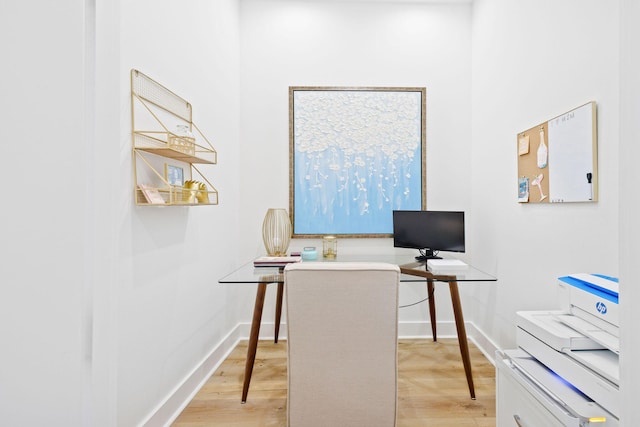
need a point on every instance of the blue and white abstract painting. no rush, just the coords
(357, 156)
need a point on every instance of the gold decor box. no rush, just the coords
(184, 144)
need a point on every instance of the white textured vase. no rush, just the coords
(276, 232)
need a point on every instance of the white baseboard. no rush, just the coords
(448, 330)
(417, 329)
(167, 411)
(483, 342)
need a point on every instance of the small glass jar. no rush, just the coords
(183, 130)
(329, 246)
(309, 253)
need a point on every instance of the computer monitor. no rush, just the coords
(429, 231)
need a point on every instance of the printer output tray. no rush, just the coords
(549, 327)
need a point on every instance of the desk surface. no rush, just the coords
(414, 272)
(417, 271)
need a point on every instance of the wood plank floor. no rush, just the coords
(432, 388)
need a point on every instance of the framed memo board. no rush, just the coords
(558, 159)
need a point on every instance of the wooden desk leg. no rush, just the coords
(253, 339)
(462, 335)
(278, 311)
(432, 308)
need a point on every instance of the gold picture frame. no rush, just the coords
(174, 174)
(356, 154)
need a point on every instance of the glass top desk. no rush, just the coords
(412, 271)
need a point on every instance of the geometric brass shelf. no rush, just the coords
(152, 143)
(159, 112)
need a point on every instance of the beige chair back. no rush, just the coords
(342, 321)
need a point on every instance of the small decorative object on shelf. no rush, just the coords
(329, 246)
(151, 194)
(174, 175)
(195, 192)
(203, 194)
(276, 232)
(182, 140)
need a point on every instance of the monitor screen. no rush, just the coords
(429, 231)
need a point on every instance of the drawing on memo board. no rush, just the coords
(560, 159)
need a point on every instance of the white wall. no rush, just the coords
(43, 307)
(629, 202)
(318, 43)
(108, 308)
(172, 313)
(104, 181)
(532, 61)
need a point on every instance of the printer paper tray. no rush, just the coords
(593, 372)
(563, 333)
(563, 400)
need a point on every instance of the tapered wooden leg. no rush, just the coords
(253, 339)
(462, 335)
(278, 311)
(432, 308)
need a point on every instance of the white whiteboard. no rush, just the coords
(573, 156)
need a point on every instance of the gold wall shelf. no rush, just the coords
(163, 130)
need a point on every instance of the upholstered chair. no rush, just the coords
(342, 343)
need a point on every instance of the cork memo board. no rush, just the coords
(557, 159)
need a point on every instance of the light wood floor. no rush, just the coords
(432, 388)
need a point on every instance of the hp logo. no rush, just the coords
(601, 307)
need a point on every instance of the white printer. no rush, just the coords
(567, 360)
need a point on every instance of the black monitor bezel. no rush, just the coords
(428, 251)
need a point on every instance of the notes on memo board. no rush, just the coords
(557, 159)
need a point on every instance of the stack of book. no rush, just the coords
(275, 261)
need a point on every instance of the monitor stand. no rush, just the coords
(426, 254)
